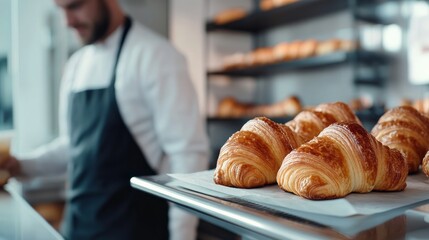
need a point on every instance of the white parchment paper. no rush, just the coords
(354, 204)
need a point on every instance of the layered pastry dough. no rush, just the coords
(344, 158)
(308, 124)
(252, 156)
(407, 130)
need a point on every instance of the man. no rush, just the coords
(127, 108)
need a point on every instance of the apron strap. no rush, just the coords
(127, 27)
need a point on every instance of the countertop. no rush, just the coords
(18, 220)
(258, 222)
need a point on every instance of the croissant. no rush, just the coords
(252, 156)
(309, 123)
(405, 129)
(344, 158)
(425, 164)
(422, 105)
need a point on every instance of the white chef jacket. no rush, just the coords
(157, 102)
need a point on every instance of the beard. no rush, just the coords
(100, 25)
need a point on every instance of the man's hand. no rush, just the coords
(9, 166)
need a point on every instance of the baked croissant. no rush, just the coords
(344, 158)
(405, 129)
(422, 105)
(425, 164)
(252, 156)
(308, 124)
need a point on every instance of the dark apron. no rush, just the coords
(102, 205)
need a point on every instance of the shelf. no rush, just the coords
(313, 62)
(259, 20)
(320, 61)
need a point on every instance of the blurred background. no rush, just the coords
(246, 58)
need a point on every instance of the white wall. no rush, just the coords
(151, 13)
(30, 73)
(4, 26)
(187, 34)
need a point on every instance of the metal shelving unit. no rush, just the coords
(307, 63)
(258, 22)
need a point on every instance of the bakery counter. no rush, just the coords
(18, 220)
(259, 221)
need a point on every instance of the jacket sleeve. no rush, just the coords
(179, 126)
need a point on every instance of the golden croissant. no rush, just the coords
(252, 156)
(308, 124)
(343, 158)
(407, 130)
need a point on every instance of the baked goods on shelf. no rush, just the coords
(252, 156)
(348, 45)
(407, 130)
(234, 61)
(229, 15)
(262, 56)
(307, 48)
(342, 159)
(286, 51)
(280, 52)
(231, 108)
(328, 46)
(359, 104)
(288, 107)
(270, 4)
(309, 123)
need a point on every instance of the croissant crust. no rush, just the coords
(252, 156)
(308, 124)
(344, 158)
(425, 164)
(407, 130)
